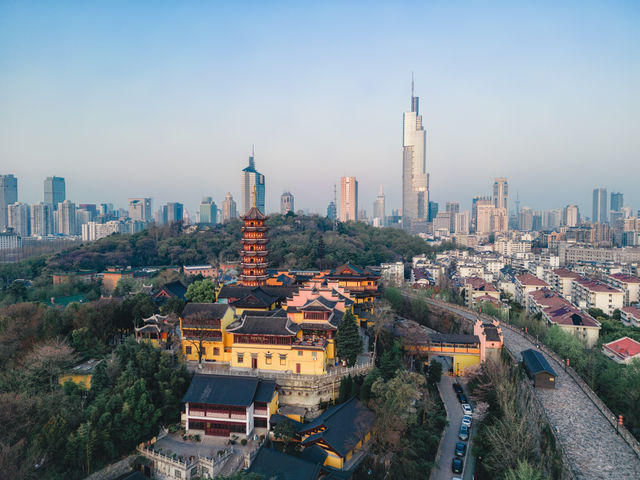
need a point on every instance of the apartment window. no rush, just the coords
(187, 350)
(204, 351)
(268, 358)
(314, 355)
(216, 351)
(283, 359)
(300, 353)
(240, 357)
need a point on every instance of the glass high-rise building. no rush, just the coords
(8, 196)
(229, 208)
(348, 199)
(208, 211)
(415, 179)
(617, 201)
(599, 205)
(54, 191)
(252, 180)
(379, 209)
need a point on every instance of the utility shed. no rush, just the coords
(538, 369)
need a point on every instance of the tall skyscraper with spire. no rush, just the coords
(415, 179)
(251, 178)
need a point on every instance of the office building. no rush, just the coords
(379, 209)
(348, 199)
(10, 241)
(19, 218)
(332, 211)
(252, 183)
(551, 219)
(452, 208)
(229, 208)
(8, 196)
(599, 205)
(415, 180)
(617, 200)
(571, 216)
(286, 203)
(442, 224)
(41, 219)
(174, 212)
(54, 191)
(462, 221)
(525, 219)
(475, 203)
(433, 211)
(208, 211)
(140, 209)
(67, 218)
(501, 193)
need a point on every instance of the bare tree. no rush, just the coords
(383, 318)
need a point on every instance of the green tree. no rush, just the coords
(285, 430)
(348, 339)
(203, 291)
(434, 373)
(524, 471)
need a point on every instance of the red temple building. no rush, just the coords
(254, 248)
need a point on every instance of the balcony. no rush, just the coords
(253, 253)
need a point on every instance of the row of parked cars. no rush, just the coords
(457, 463)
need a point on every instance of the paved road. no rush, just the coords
(590, 442)
(442, 471)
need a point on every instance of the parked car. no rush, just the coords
(457, 388)
(462, 398)
(461, 449)
(466, 408)
(466, 420)
(463, 434)
(456, 465)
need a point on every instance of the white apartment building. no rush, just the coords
(525, 284)
(561, 281)
(94, 231)
(629, 284)
(587, 293)
(630, 316)
(392, 274)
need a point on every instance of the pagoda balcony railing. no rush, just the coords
(259, 241)
(255, 277)
(261, 228)
(255, 265)
(253, 253)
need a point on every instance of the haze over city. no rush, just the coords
(165, 100)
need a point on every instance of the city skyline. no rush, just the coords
(514, 96)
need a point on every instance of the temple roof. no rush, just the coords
(254, 214)
(280, 326)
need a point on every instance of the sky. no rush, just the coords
(166, 99)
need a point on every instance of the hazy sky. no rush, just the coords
(165, 99)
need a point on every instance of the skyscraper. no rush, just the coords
(208, 211)
(251, 178)
(19, 218)
(475, 203)
(8, 196)
(571, 216)
(229, 209)
(501, 193)
(174, 212)
(54, 191)
(415, 180)
(67, 218)
(331, 211)
(379, 213)
(286, 203)
(140, 209)
(617, 200)
(452, 208)
(599, 205)
(348, 199)
(462, 222)
(41, 219)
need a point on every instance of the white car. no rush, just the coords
(466, 420)
(466, 408)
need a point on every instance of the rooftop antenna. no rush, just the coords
(253, 150)
(412, 85)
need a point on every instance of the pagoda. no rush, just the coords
(254, 247)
